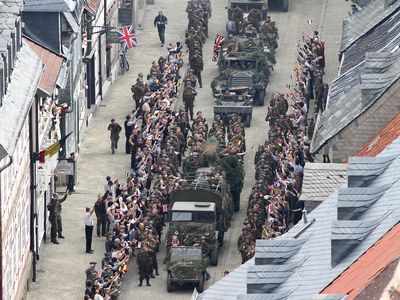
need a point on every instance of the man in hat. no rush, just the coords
(114, 129)
(91, 273)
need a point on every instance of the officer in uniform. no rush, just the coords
(51, 207)
(58, 210)
(188, 97)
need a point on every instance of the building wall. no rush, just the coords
(15, 214)
(362, 129)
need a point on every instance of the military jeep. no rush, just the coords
(192, 221)
(236, 101)
(244, 72)
(186, 265)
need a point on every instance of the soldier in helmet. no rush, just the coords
(189, 79)
(138, 91)
(238, 18)
(197, 65)
(188, 97)
(254, 18)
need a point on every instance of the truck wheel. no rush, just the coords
(285, 5)
(247, 120)
(169, 283)
(214, 256)
(200, 285)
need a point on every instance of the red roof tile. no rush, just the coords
(368, 266)
(382, 139)
(52, 66)
(92, 6)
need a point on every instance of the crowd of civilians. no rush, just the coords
(274, 205)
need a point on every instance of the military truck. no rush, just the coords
(185, 264)
(200, 209)
(284, 4)
(245, 6)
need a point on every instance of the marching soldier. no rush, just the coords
(145, 265)
(190, 79)
(197, 65)
(188, 97)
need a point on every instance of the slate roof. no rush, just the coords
(320, 180)
(49, 5)
(52, 66)
(354, 92)
(20, 92)
(382, 139)
(364, 20)
(383, 37)
(318, 267)
(368, 267)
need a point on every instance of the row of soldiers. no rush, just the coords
(199, 12)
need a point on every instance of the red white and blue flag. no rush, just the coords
(217, 46)
(127, 37)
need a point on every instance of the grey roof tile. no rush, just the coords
(383, 37)
(363, 21)
(348, 99)
(320, 180)
(49, 5)
(18, 99)
(316, 271)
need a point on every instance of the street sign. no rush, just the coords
(125, 16)
(112, 37)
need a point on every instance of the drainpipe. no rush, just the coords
(1, 228)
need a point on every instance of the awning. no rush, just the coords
(71, 20)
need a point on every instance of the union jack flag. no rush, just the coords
(127, 37)
(217, 46)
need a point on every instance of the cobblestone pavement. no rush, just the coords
(61, 267)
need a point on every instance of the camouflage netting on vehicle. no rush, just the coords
(184, 270)
(192, 232)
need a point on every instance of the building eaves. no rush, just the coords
(364, 20)
(19, 97)
(382, 139)
(49, 5)
(52, 66)
(321, 180)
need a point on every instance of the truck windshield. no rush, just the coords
(203, 216)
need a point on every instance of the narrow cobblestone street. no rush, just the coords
(61, 267)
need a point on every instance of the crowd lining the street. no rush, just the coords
(132, 214)
(274, 206)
